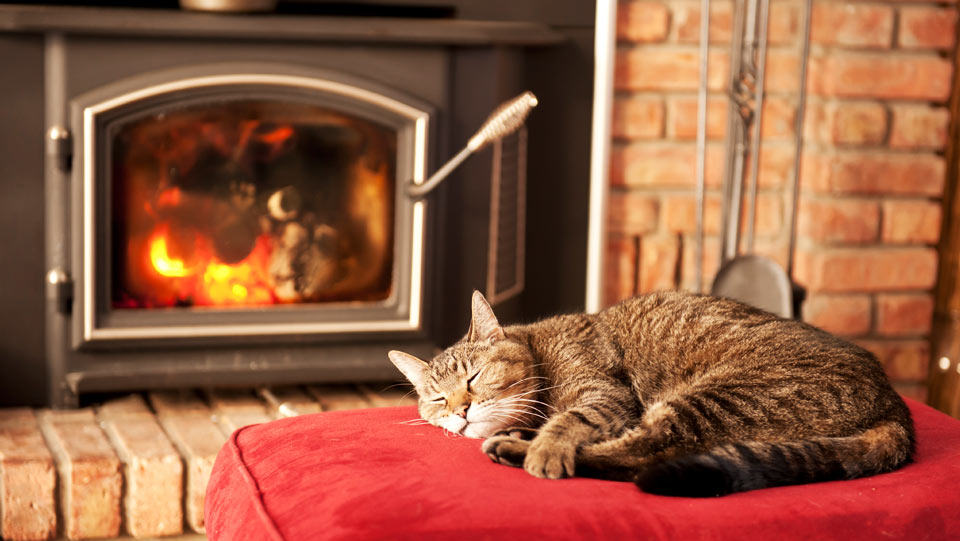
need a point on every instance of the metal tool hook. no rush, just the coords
(503, 121)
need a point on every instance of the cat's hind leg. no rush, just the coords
(661, 434)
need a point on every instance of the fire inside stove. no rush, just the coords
(251, 203)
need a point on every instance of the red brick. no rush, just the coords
(642, 22)
(620, 269)
(683, 117)
(881, 75)
(618, 162)
(927, 27)
(680, 214)
(783, 71)
(852, 24)
(631, 213)
(90, 481)
(710, 262)
(838, 220)
(844, 315)
(856, 172)
(919, 126)
(903, 360)
(646, 165)
(768, 217)
(867, 269)
(778, 118)
(637, 118)
(659, 257)
(911, 221)
(783, 26)
(904, 314)
(776, 165)
(847, 122)
(774, 248)
(666, 165)
(28, 508)
(656, 68)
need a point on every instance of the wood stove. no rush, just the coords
(225, 196)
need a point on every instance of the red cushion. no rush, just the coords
(364, 474)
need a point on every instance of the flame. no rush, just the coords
(161, 260)
(219, 284)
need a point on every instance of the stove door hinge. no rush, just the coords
(60, 290)
(60, 147)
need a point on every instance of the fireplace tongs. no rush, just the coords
(503, 121)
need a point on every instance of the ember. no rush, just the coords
(249, 204)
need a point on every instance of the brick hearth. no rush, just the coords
(872, 176)
(138, 465)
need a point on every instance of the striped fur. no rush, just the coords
(683, 394)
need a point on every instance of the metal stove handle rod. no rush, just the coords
(702, 137)
(761, 63)
(798, 129)
(504, 120)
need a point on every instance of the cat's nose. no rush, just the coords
(462, 410)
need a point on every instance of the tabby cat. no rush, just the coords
(682, 394)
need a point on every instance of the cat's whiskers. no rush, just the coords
(518, 382)
(522, 410)
(509, 419)
(415, 422)
(538, 390)
(531, 401)
(398, 384)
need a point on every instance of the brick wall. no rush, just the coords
(872, 173)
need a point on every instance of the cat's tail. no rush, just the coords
(751, 465)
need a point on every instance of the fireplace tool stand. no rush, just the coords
(747, 277)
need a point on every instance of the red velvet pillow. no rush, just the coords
(364, 474)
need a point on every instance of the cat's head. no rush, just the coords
(478, 386)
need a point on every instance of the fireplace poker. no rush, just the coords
(503, 121)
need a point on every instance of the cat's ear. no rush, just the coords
(483, 324)
(413, 368)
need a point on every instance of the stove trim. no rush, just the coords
(406, 301)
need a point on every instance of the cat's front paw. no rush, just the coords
(506, 449)
(549, 459)
(519, 432)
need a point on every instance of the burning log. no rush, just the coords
(304, 263)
